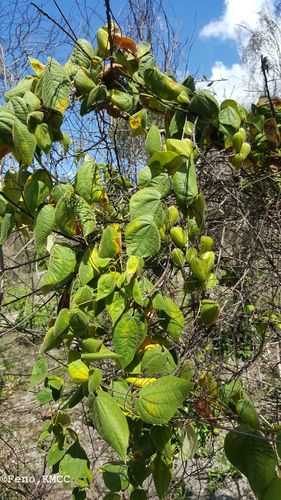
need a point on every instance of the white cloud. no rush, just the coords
(235, 85)
(235, 12)
(238, 79)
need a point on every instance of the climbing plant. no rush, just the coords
(107, 261)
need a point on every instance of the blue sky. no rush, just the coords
(213, 23)
(187, 16)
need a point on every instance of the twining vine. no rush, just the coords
(125, 337)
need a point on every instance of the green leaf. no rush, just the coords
(91, 344)
(110, 422)
(112, 496)
(32, 101)
(240, 110)
(18, 107)
(59, 190)
(149, 177)
(44, 396)
(74, 213)
(232, 391)
(7, 225)
(78, 494)
(62, 265)
(248, 413)
(50, 341)
(95, 98)
(103, 353)
(55, 334)
(162, 475)
(85, 216)
(160, 182)
(44, 225)
(273, 491)
(83, 53)
(204, 104)
(75, 398)
(147, 201)
(185, 185)
(128, 335)
(254, 457)
(161, 437)
(55, 453)
(106, 285)
(153, 140)
(66, 142)
(121, 392)
(142, 237)
(173, 319)
(165, 159)
(229, 116)
(65, 214)
(12, 190)
(75, 464)
(78, 321)
(158, 402)
(138, 495)
(157, 362)
(82, 297)
(21, 88)
(24, 142)
(115, 476)
(95, 380)
(39, 372)
(209, 312)
(91, 265)
(87, 181)
(177, 124)
(134, 266)
(37, 187)
(43, 137)
(83, 83)
(121, 100)
(182, 147)
(189, 443)
(55, 87)
(198, 208)
(115, 305)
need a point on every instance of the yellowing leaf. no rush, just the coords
(158, 402)
(78, 371)
(140, 382)
(128, 335)
(37, 66)
(125, 43)
(111, 245)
